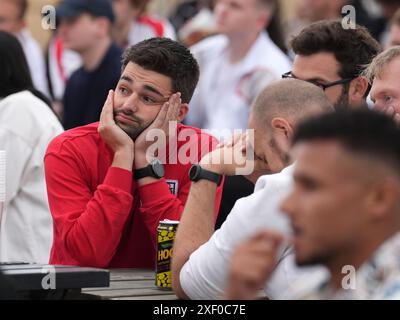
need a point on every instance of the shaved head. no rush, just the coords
(290, 99)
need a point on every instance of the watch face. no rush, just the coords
(158, 168)
(194, 172)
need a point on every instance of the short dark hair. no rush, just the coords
(371, 133)
(169, 58)
(354, 49)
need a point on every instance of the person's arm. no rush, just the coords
(204, 274)
(89, 223)
(196, 226)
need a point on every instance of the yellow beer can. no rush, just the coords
(165, 238)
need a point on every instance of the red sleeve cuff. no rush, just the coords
(119, 178)
(154, 191)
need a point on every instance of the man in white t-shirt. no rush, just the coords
(200, 258)
(12, 20)
(133, 25)
(235, 65)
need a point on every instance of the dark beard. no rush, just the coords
(283, 156)
(133, 131)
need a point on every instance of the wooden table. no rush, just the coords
(130, 284)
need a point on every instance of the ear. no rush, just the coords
(264, 19)
(357, 90)
(282, 126)
(383, 198)
(183, 111)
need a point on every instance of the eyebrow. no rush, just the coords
(127, 79)
(312, 79)
(145, 87)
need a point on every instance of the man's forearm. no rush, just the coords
(123, 159)
(195, 228)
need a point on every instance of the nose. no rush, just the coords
(131, 104)
(220, 9)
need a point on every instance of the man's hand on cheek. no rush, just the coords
(115, 138)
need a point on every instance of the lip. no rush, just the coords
(124, 119)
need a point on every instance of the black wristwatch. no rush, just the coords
(155, 170)
(197, 173)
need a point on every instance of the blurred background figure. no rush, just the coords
(383, 73)
(387, 11)
(12, 20)
(309, 11)
(85, 27)
(27, 125)
(235, 65)
(134, 24)
(60, 63)
(394, 31)
(194, 21)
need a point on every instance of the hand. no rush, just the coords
(115, 137)
(235, 157)
(227, 157)
(251, 265)
(260, 166)
(391, 112)
(169, 112)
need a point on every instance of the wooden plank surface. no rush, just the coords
(131, 284)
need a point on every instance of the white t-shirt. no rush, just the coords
(204, 275)
(148, 27)
(225, 92)
(27, 125)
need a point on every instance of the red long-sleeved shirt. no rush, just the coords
(101, 217)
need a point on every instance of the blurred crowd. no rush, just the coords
(85, 40)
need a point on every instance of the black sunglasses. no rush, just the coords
(323, 86)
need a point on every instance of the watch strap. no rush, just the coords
(144, 172)
(207, 175)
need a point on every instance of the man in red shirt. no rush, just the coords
(107, 192)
